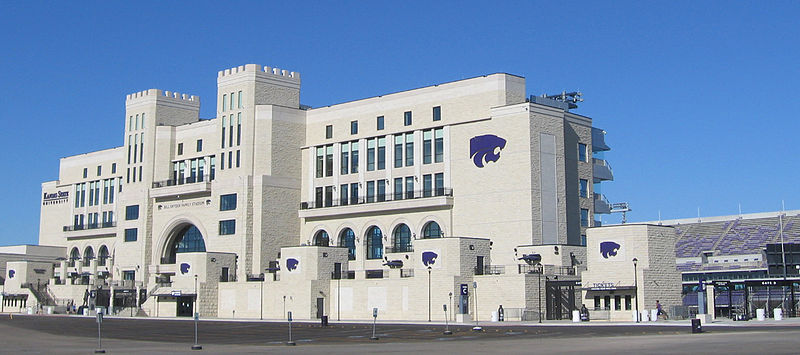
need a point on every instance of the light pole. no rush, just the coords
(339, 297)
(636, 288)
(541, 271)
(451, 304)
(476, 328)
(263, 277)
(429, 293)
(196, 346)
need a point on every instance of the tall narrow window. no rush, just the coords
(582, 156)
(130, 123)
(83, 194)
(99, 170)
(230, 127)
(398, 151)
(374, 243)
(180, 148)
(345, 158)
(427, 146)
(111, 190)
(407, 118)
(437, 113)
(328, 196)
(137, 122)
(353, 127)
(237, 157)
(381, 186)
(343, 194)
(320, 162)
(329, 160)
(199, 145)
(91, 193)
(222, 161)
(129, 148)
(370, 191)
(438, 145)
(224, 101)
(239, 128)
(240, 99)
(143, 121)
(230, 160)
(105, 191)
(85, 172)
(584, 217)
(231, 105)
(439, 184)
(213, 172)
(354, 157)
(135, 145)
(583, 187)
(318, 200)
(398, 188)
(328, 132)
(409, 149)
(381, 153)
(427, 185)
(371, 154)
(113, 168)
(379, 123)
(141, 148)
(409, 187)
(354, 193)
(224, 124)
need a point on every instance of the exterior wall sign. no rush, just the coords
(184, 204)
(54, 198)
(185, 268)
(430, 258)
(611, 250)
(11, 274)
(485, 148)
(292, 264)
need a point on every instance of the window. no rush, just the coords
(583, 239)
(227, 227)
(438, 145)
(370, 191)
(239, 99)
(129, 275)
(328, 196)
(584, 217)
(584, 187)
(371, 154)
(131, 234)
(374, 243)
(354, 193)
(85, 172)
(345, 158)
(409, 149)
(617, 303)
(318, 197)
(180, 148)
(439, 184)
(130, 123)
(381, 190)
(227, 202)
(113, 168)
(239, 128)
(427, 185)
(354, 157)
(437, 113)
(398, 188)
(398, 151)
(409, 187)
(343, 194)
(224, 124)
(627, 302)
(231, 105)
(320, 161)
(348, 239)
(328, 132)
(402, 239)
(582, 156)
(99, 170)
(427, 146)
(607, 303)
(131, 212)
(407, 118)
(105, 191)
(329, 160)
(379, 123)
(321, 239)
(199, 145)
(224, 101)
(353, 127)
(238, 160)
(596, 303)
(431, 230)
(230, 127)
(381, 153)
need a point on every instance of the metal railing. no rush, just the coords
(406, 273)
(490, 270)
(400, 249)
(80, 227)
(529, 269)
(374, 274)
(411, 195)
(565, 271)
(350, 275)
(181, 181)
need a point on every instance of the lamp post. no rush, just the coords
(429, 293)
(476, 328)
(451, 304)
(196, 346)
(539, 290)
(263, 277)
(636, 288)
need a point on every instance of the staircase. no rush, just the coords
(41, 294)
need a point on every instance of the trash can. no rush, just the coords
(778, 313)
(653, 315)
(696, 326)
(494, 316)
(324, 321)
(760, 314)
(576, 316)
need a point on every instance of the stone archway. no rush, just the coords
(182, 238)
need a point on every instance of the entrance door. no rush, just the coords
(560, 299)
(320, 307)
(185, 306)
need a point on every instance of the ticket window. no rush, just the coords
(607, 303)
(596, 303)
(617, 303)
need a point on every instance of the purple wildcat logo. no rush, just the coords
(291, 264)
(429, 258)
(485, 148)
(11, 274)
(184, 268)
(608, 249)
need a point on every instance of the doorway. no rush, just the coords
(185, 306)
(320, 307)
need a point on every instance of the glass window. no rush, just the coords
(427, 146)
(374, 243)
(596, 303)
(105, 191)
(238, 155)
(343, 194)
(381, 190)
(617, 303)
(370, 191)
(224, 101)
(438, 145)
(227, 227)
(130, 123)
(407, 118)
(224, 124)
(111, 189)
(85, 172)
(199, 145)
(227, 202)
(402, 239)
(398, 188)
(320, 161)
(584, 217)
(328, 131)
(142, 121)
(398, 151)
(321, 239)
(131, 234)
(437, 113)
(381, 153)
(348, 239)
(371, 154)
(354, 193)
(129, 275)
(584, 187)
(345, 158)
(318, 200)
(409, 149)
(439, 184)
(131, 212)
(607, 303)
(379, 123)
(583, 239)
(582, 154)
(239, 128)
(231, 105)
(432, 230)
(328, 196)
(240, 100)
(627, 302)
(180, 148)
(113, 168)
(354, 157)
(102, 255)
(190, 241)
(137, 122)
(99, 170)
(329, 160)
(427, 185)
(409, 187)
(353, 127)
(230, 129)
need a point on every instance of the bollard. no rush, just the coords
(289, 318)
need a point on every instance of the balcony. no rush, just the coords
(181, 186)
(601, 205)
(442, 197)
(599, 140)
(490, 270)
(399, 249)
(81, 227)
(602, 170)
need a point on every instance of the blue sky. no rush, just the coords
(697, 97)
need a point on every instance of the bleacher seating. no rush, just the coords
(734, 237)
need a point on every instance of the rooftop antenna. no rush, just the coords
(622, 207)
(740, 210)
(659, 217)
(571, 98)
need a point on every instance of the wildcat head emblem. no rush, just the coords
(429, 258)
(184, 268)
(608, 249)
(485, 148)
(11, 274)
(291, 264)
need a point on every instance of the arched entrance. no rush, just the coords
(185, 239)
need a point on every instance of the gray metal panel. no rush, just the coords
(549, 190)
(599, 140)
